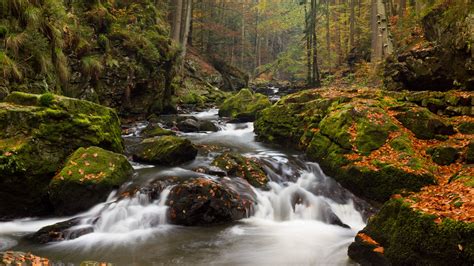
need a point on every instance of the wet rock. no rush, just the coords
(443, 155)
(211, 170)
(246, 168)
(423, 123)
(166, 150)
(59, 232)
(38, 133)
(244, 106)
(188, 125)
(21, 258)
(201, 201)
(88, 177)
(207, 126)
(157, 131)
(401, 235)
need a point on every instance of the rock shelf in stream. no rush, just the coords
(165, 150)
(246, 168)
(243, 106)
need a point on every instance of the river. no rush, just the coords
(135, 231)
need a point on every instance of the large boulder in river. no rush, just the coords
(38, 133)
(202, 201)
(88, 177)
(244, 105)
(165, 150)
(246, 168)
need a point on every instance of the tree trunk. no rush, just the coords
(328, 35)
(177, 18)
(401, 8)
(187, 25)
(242, 51)
(308, 45)
(352, 25)
(316, 79)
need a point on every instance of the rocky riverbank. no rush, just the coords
(377, 144)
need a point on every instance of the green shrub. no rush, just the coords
(46, 99)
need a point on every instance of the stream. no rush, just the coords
(281, 232)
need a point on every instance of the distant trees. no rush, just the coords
(293, 39)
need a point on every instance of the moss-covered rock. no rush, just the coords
(404, 236)
(355, 136)
(423, 123)
(201, 201)
(293, 117)
(443, 155)
(88, 177)
(244, 105)
(165, 150)
(247, 168)
(157, 131)
(466, 127)
(36, 139)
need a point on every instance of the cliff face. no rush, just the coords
(116, 53)
(443, 58)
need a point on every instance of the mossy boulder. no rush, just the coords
(156, 131)
(165, 150)
(423, 123)
(203, 202)
(38, 133)
(291, 119)
(466, 127)
(443, 155)
(401, 235)
(244, 105)
(88, 177)
(246, 168)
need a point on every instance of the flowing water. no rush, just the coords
(281, 232)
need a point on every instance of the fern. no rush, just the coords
(9, 68)
(92, 66)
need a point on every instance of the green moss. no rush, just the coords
(443, 155)
(167, 150)
(410, 237)
(423, 123)
(466, 128)
(157, 132)
(244, 105)
(46, 99)
(22, 98)
(246, 168)
(88, 176)
(402, 144)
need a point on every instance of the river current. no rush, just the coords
(280, 232)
